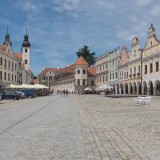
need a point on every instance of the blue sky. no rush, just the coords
(59, 28)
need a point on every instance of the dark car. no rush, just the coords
(11, 95)
(29, 92)
(23, 95)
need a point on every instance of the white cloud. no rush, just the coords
(67, 5)
(142, 3)
(155, 10)
(28, 6)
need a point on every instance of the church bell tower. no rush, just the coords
(26, 52)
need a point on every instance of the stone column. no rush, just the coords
(148, 90)
(154, 91)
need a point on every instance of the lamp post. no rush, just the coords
(141, 71)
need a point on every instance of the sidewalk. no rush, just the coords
(117, 129)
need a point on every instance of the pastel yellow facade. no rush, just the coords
(135, 68)
(150, 63)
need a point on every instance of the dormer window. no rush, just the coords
(134, 53)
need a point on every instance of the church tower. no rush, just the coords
(26, 52)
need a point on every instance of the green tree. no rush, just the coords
(87, 55)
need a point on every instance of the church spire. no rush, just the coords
(7, 38)
(26, 42)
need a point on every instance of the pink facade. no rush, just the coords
(123, 70)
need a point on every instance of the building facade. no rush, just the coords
(135, 68)
(12, 68)
(113, 63)
(123, 71)
(150, 64)
(73, 77)
(102, 69)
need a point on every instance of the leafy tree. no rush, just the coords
(87, 55)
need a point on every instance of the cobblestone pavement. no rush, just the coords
(43, 128)
(119, 129)
(79, 127)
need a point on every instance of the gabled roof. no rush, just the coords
(18, 55)
(81, 61)
(91, 71)
(55, 70)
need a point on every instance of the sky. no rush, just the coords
(57, 29)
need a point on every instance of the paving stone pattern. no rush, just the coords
(79, 127)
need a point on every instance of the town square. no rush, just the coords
(79, 127)
(80, 80)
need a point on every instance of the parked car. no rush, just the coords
(0, 96)
(11, 95)
(29, 92)
(23, 95)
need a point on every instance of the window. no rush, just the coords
(25, 50)
(106, 66)
(157, 66)
(138, 69)
(110, 76)
(103, 78)
(12, 77)
(84, 71)
(0, 75)
(5, 63)
(1, 59)
(151, 68)
(127, 74)
(4, 75)
(26, 61)
(106, 77)
(130, 71)
(100, 68)
(92, 83)
(78, 71)
(15, 66)
(15, 78)
(145, 69)
(116, 74)
(8, 76)
(113, 75)
(12, 66)
(100, 79)
(134, 53)
(151, 43)
(9, 64)
(134, 70)
(84, 82)
(78, 82)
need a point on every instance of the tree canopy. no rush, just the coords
(87, 55)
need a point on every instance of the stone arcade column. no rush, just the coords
(148, 90)
(154, 91)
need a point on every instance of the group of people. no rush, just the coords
(63, 92)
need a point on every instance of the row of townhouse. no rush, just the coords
(15, 67)
(132, 72)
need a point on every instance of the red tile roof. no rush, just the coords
(92, 71)
(18, 55)
(55, 70)
(81, 61)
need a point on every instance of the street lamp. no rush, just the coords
(141, 70)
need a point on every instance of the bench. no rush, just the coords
(142, 100)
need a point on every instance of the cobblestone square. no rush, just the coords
(79, 127)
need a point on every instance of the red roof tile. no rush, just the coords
(18, 55)
(92, 71)
(81, 61)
